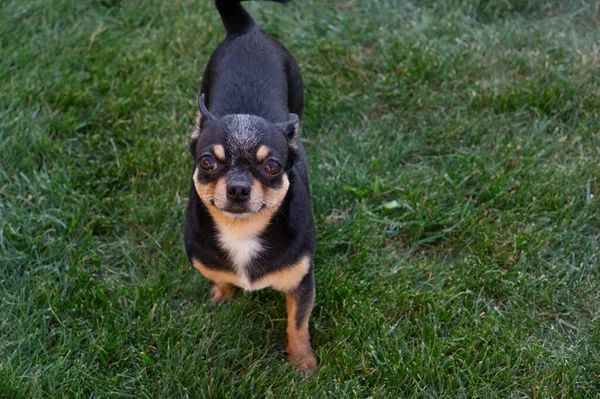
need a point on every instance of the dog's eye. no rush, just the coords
(207, 162)
(272, 167)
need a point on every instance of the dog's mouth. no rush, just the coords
(237, 211)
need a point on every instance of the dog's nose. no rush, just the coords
(238, 191)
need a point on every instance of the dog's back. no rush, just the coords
(250, 72)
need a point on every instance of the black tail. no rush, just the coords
(236, 20)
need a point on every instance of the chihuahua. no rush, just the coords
(249, 221)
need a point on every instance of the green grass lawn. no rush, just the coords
(455, 163)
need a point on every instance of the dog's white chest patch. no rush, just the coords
(241, 250)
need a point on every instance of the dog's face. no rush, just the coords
(242, 162)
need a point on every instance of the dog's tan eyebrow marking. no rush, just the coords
(262, 153)
(219, 152)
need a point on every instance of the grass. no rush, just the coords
(454, 149)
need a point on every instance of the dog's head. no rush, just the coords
(242, 162)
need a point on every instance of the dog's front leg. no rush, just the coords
(220, 292)
(299, 304)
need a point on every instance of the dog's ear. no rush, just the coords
(204, 116)
(291, 128)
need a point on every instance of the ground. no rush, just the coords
(454, 150)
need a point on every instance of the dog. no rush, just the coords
(249, 220)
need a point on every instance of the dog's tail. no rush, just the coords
(235, 18)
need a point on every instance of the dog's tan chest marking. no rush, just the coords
(284, 280)
(218, 276)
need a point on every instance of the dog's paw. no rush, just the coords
(220, 292)
(304, 361)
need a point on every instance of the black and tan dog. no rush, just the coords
(249, 221)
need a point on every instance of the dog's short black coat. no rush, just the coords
(251, 93)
